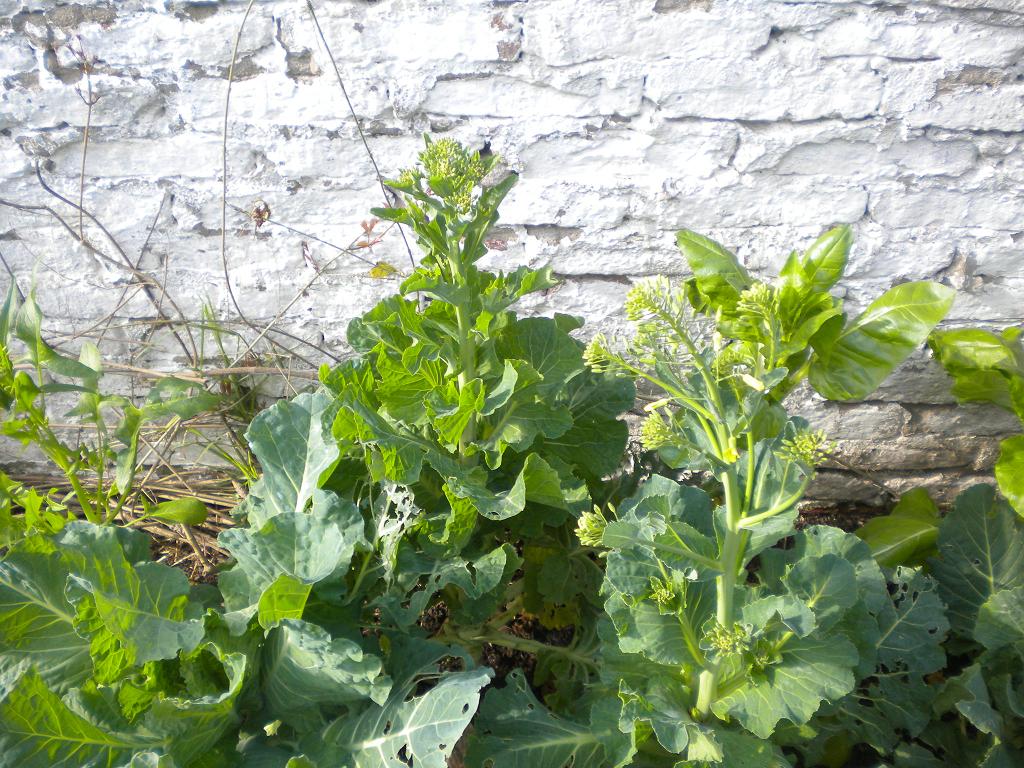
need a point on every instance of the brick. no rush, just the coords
(759, 124)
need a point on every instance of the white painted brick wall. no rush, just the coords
(759, 122)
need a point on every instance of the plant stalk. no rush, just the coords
(467, 352)
(725, 585)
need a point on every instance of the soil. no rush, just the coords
(847, 516)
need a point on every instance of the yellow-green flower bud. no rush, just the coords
(806, 447)
(596, 354)
(460, 169)
(655, 433)
(663, 592)
(590, 528)
(758, 299)
(726, 641)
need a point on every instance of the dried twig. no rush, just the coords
(126, 263)
(86, 63)
(224, 166)
(359, 127)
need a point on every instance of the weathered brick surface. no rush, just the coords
(759, 122)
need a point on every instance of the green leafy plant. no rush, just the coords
(989, 368)
(493, 423)
(908, 534)
(106, 657)
(100, 471)
(969, 595)
(712, 656)
(970, 560)
(426, 498)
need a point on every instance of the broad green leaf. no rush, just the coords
(146, 606)
(518, 423)
(495, 505)
(981, 552)
(718, 278)
(907, 535)
(403, 392)
(664, 532)
(595, 444)
(38, 730)
(788, 610)
(824, 262)
(514, 730)
(187, 510)
(451, 421)
(419, 577)
(1010, 471)
(662, 637)
(880, 715)
(549, 350)
(284, 599)
(422, 729)
(850, 364)
(970, 695)
(664, 705)
(826, 584)
(983, 364)
(111, 658)
(1001, 619)
(895, 700)
(459, 524)
(563, 579)
(742, 749)
(293, 443)
(309, 547)
(37, 622)
(400, 451)
(810, 671)
(303, 669)
(819, 541)
(543, 484)
(913, 627)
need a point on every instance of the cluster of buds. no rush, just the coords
(723, 642)
(450, 167)
(655, 432)
(763, 655)
(806, 447)
(663, 593)
(590, 528)
(759, 300)
(596, 354)
(648, 297)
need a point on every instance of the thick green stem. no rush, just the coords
(467, 361)
(725, 585)
(467, 343)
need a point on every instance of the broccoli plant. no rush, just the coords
(717, 639)
(492, 422)
(425, 498)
